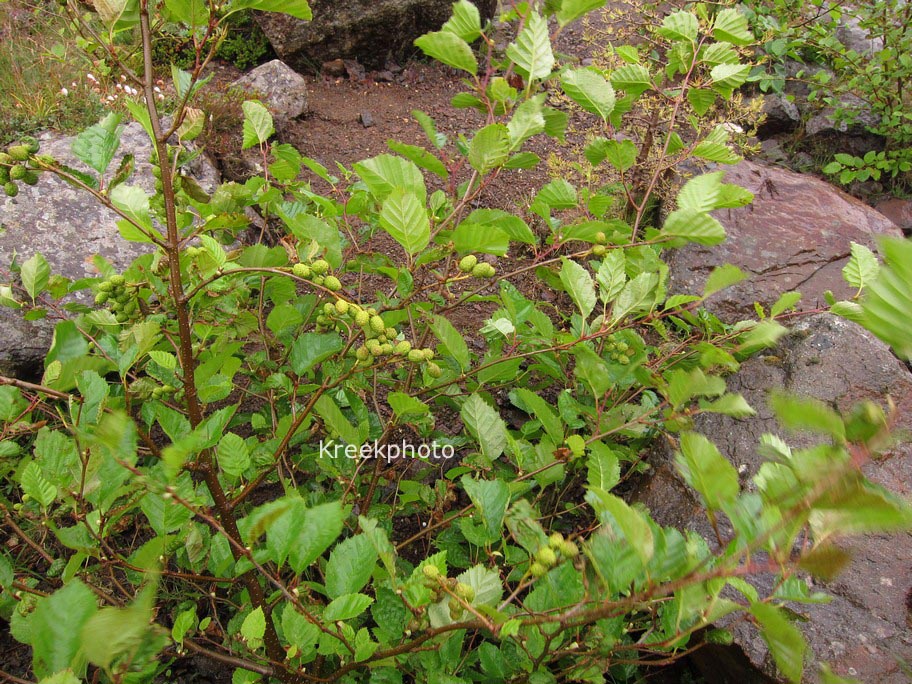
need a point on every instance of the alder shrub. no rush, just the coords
(180, 480)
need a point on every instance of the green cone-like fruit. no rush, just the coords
(301, 270)
(377, 324)
(320, 267)
(30, 178)
(18, 152)
(546, 556)
(362, 318)
(332, 283)
(341, 307)
(538, 570)
(11, 189)
(434, 370)
(483, 270)
(467, 263)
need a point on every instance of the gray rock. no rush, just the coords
(899, 211)
(794, 236)
(854, 37)
(864, 631)
(282, 90)
(68, 227)
(782, 116)
(367, 30)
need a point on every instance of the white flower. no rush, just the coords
(91, 78)
(64, 92)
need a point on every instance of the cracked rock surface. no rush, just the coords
(796, 235)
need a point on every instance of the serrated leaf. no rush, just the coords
(258, 126)
(761, 336)
(633, 79)
(491, 498)
(97, 145)
(438, 140)
(707, 471)
(56, 628)
(404, 405)
(384, 173)
(489, 148)
(805, 413)
(722, 277)
(36, 486)
(579, 285)
(727, 77)
(786, 642)
(465, 21)
(452, 341)
(862, 267)
(701, 192)
(486, 425)
(887, 305)
(322, 526)
(310, 349)
(527, 121)
(602, 467)
(731, 26)
(420, 156)
(541, 410)
(450, 49)
(346, 607)
(701, 99)
(254, 626)
(350, 566)
(786, 301)
(589, 90)
(477, 237)
(621, 154)
(35, 274)
(611, 275)
(405, 218)
(680, 26)
(630, 523)
(694, 226)
(637, 295)
(531, 53)
(233, 455)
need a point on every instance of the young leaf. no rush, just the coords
(233, 455)
(56, 628)
(589, 90)
(680, 26)
(578, 283)
(540, 409)
(258, 127)
(694, 226)
(722, 277)
(633, 79)
(786, 301)
(531, 53)
(420, 157)
(630, 523)
(254, 626)
(322, 526)
(489, 148)
(527, 121)
(346, 607)
(404, 217)
(887, 305)
(384, 173)
(804, 413)
(450, 49)
(465, 22)
(862, 267)
(36, 486)
(701, 193)
(438, 140)
(491, 498)
(97, 145)
(452, 341)
(611, 275)
(570, 10)
(603, 468)
(621, 154)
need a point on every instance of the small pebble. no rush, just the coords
(366, 119)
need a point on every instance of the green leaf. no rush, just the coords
(786, 301)
(694, 226)
(612, 275)
(254, 626)
(165, 515)
(258, 127)
(515, 228)
(862, 267)
(350, 566)
(491, 498)
(637, 295)
(680, 26)
(707, 471)
(603, 467)
(727, 77)
(722, 277)
(761, 336)
(438, 140)
(887, 305)
(786, 642)
(347, 607)
(527, 121)
(404, 405)
(134, 203)
(452, 341)
(578, 283)
(62, 677)
(384, 173)
(477, 237)
(630, 523)
(486, 425)
(633, 79)
(35, 274)
(731, 26)
(589, 90)
(701, 99)
(56, 628)
(621, 154)
(185, 621)
(322, 526)
(450, 49)
(714, 148)
(310, 349)
(465, 21)
(113, 632)
(233, 455)
(733, 405)
(805, 413)
(541, 410)
(404, 217)
(36, 486)
(591, 370)
(701, 193)
(330, 412)
(189, 12)
(531, 53)
(570, 10)
(97, 145)
(419, 156)
(489, 148)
